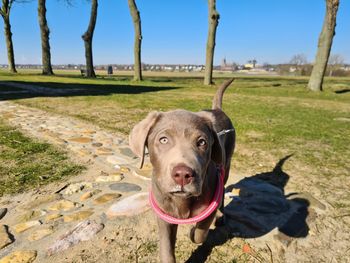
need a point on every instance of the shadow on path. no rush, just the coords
(260, 207)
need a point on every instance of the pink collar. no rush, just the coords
(207, 212)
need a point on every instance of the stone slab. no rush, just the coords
(104, 151)
(62, 205)
(82, 232)
(77, 216)
(80, 139)
(132, 205)
(125, 187)
(19, 228)
(109, 178)
(40, 234)
(106, 198)
(145, 173)
(113, 159)
(20, 256)
(89, 194)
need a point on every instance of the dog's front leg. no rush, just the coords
(199, 232)
(167, 239)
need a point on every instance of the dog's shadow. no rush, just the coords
(258, 206)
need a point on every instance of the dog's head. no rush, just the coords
(180, 144)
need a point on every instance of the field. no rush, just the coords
(274, 117)
(271, 114)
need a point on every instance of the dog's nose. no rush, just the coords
(182, 175)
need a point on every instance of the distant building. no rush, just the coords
(227, 66)
(248, 66)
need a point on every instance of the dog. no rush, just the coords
(185, 149)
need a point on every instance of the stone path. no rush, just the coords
(76, 211)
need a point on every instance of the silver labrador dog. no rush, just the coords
(185, 149)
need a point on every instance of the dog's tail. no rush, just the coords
(217, 101)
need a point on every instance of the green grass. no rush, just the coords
(275, 115)
(26, 163)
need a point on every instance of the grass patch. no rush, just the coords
(26, 163)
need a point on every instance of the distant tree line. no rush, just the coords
(318, 70)
(299, 65)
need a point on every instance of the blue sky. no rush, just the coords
(176, 31)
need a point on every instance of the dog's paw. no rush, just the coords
(198, 236)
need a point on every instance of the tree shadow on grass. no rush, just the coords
(260, 207)
(23, 90)
(342, 91)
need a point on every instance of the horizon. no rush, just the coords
(266, 32)
(2, 65)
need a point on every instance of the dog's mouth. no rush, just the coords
(181, 191)
(182, 194)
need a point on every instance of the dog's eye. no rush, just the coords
(163, 140)
(201, 142)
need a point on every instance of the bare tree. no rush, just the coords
(213, 19)
(324, 46)
(253, 62)
(45, 36)
(334, 62)
(87, 37)
(5, 13)
(298, 61)
(135, 14)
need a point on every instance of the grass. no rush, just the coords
(273, 115)
(26, 163)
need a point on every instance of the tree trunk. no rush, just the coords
(87, 37)
(5, 13)
(45, 44)
(324, 46)
(213, 23)
(138, 38)
(9, 44)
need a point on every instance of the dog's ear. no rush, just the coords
(216, 150)
(139, 134)
(217, 154)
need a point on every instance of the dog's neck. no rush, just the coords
(188, 207)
